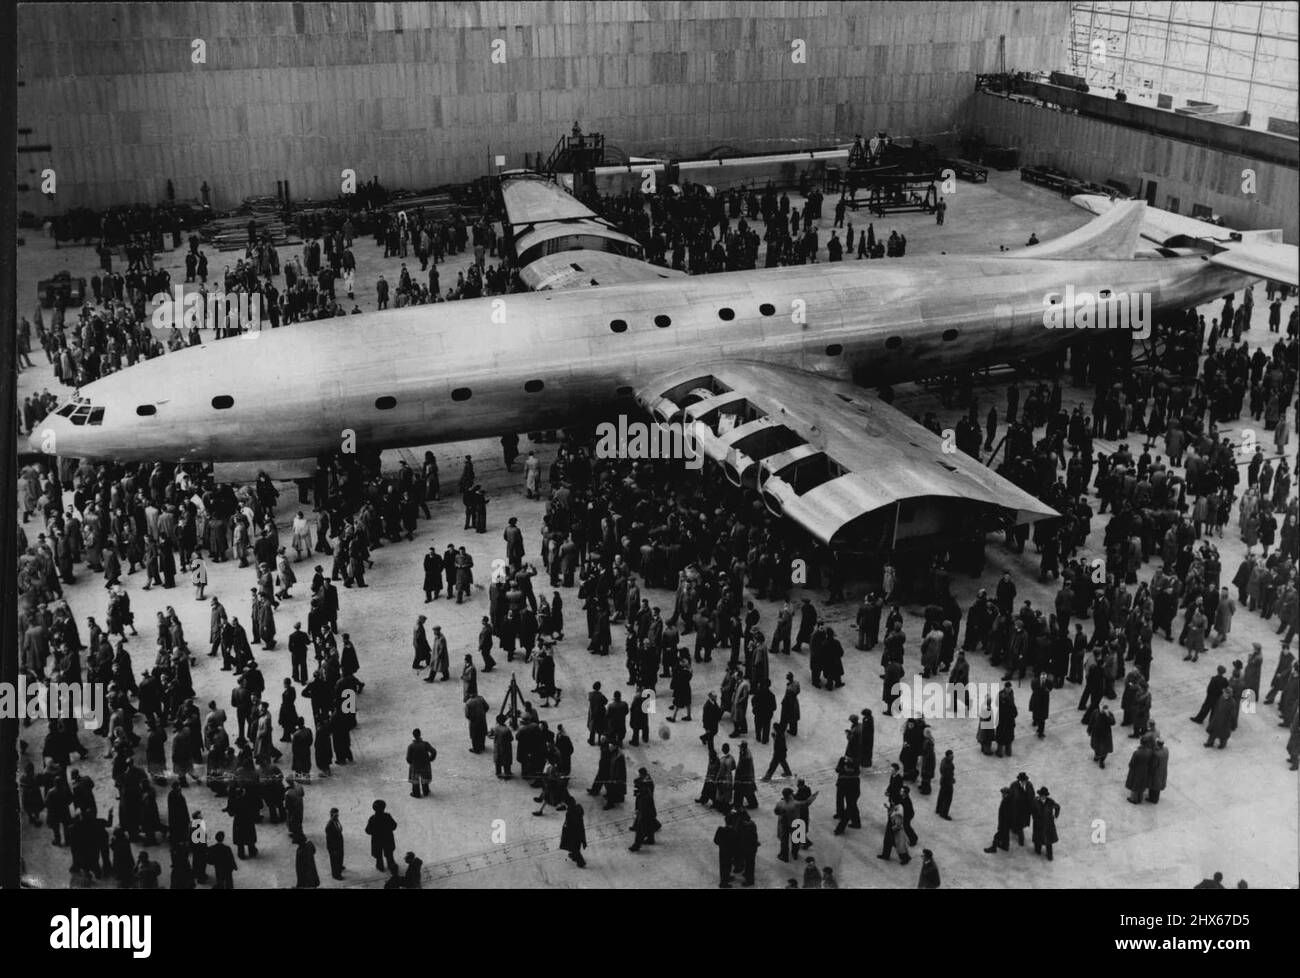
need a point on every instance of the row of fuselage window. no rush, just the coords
(224, 401)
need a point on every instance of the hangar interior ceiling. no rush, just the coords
(1239, 56)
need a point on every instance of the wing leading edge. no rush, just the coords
(834, 459)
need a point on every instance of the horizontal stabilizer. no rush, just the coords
(1267, 259)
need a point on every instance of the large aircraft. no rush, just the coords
(767, 367)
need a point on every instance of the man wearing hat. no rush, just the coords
(432, 575)
(420, 756)
(216, 626)
(441, 663)
(381, 828)
(1022, 803)
(1046, 811)
(514, 538)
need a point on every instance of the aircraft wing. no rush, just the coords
(563, 244)
(831, 456)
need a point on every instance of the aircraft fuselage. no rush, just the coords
(484, 367)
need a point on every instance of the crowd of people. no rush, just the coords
(692, 231)
(667, 569)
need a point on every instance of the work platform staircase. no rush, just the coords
(576, 153)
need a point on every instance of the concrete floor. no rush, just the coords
(1234, 811)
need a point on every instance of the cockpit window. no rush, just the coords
(79, 411)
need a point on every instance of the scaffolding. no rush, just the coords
(1236, 56)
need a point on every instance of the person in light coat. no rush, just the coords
(532, 475)
(301, 537)
(199, 578)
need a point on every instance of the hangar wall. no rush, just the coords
(1095, 149)
(409, 91)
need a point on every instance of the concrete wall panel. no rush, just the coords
(300, 90)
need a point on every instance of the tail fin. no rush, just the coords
(1114, 235)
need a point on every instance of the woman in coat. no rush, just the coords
(1250, 528)
(557, 615)
(1099, 735)
(681, 687)
(1195, 633)
(199, 578)
(898, 825)
(301, 541)
(468, 680)
(1045, 813)
(305, 863)
(544, 675)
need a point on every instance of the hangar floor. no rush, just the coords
(1234, 811)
